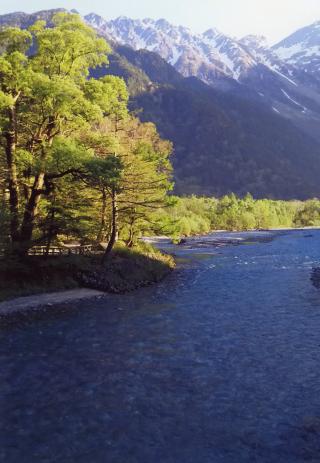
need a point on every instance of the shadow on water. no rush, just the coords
(315, 277)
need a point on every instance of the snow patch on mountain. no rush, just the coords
(285, 77)
(304, 109)
(302, 49)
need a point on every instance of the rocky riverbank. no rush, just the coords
(43, 302)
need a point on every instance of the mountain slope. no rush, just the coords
(222, 62)
(222, 142)
(24, 20)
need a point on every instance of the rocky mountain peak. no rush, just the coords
(254, 41)
(211, 33)
(163, 24)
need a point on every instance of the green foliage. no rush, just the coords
(197, 215)
(104, 172)
(76, 164)
(109, 93)
(309, 214)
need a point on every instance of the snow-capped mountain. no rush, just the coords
(302, 49)
(207, 56)
(248, 65)
(258, 47)
(213, 55)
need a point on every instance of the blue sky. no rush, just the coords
(272, 18)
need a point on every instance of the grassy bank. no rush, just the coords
(129, 269)
(126, 270)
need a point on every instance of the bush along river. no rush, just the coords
(220, 362)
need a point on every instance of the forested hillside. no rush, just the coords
(223, 142)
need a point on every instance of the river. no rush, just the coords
(218, 363)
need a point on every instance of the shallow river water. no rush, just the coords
(218, 363)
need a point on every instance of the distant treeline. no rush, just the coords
(193, 215)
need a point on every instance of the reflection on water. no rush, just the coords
(219, 363)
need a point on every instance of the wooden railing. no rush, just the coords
(65, 250)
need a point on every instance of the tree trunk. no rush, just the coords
(114, 225)
(50, 230)
(10, 148)
(131, 234)
(103, 221)
(30, 214)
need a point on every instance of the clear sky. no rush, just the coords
(273, 18)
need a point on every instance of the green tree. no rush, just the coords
(145, 178)
(309, 214)
(46, 97)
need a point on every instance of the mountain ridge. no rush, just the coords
(218, 59)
